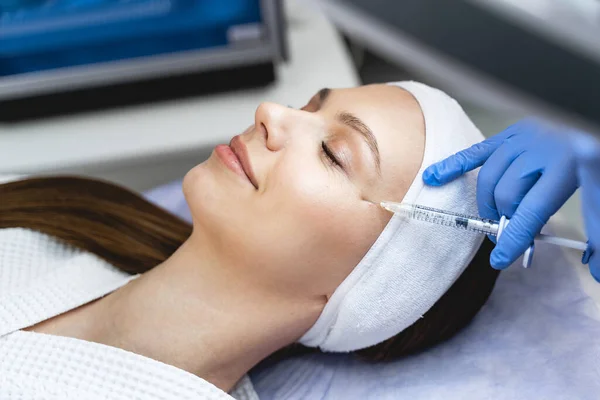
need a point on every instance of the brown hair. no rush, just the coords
(134, 235)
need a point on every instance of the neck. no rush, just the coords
(195, 313)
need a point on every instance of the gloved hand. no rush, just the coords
(528, 172)
(587, 150)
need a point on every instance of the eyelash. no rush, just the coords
(330, 156)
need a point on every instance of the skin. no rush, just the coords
(261, 262)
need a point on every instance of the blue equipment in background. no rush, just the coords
(50, 48)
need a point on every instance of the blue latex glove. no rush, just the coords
(528, 172)
(587, 150)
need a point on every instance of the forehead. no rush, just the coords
(396, 120)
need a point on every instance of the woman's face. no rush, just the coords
(308, 213)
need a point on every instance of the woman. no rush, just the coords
(283, 219)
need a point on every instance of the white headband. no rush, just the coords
(411, 264)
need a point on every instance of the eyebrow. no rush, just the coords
(323, 94)
(356, 124)
(359, 126)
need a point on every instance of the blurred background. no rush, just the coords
(140, 91)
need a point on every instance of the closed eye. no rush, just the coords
(330, 156)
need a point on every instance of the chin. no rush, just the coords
(201, 190)
(207, 191)
(191, 180)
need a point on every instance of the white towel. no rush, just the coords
(412, 264)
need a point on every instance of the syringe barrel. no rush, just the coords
(448, 218)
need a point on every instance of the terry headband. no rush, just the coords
(411, 264)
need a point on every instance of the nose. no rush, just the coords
(275, 121)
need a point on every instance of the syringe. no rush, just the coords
(470, 223)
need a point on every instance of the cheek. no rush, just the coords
(309, 194)
(321, 226)
(345, 236)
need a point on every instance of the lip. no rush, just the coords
(239, 149)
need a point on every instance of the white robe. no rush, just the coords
(41, 277)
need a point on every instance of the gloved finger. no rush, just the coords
(514, 185)
(538, 205)
(588, 153)
(595, 266)
(462, 162)
(489, 176)
(590, 200)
